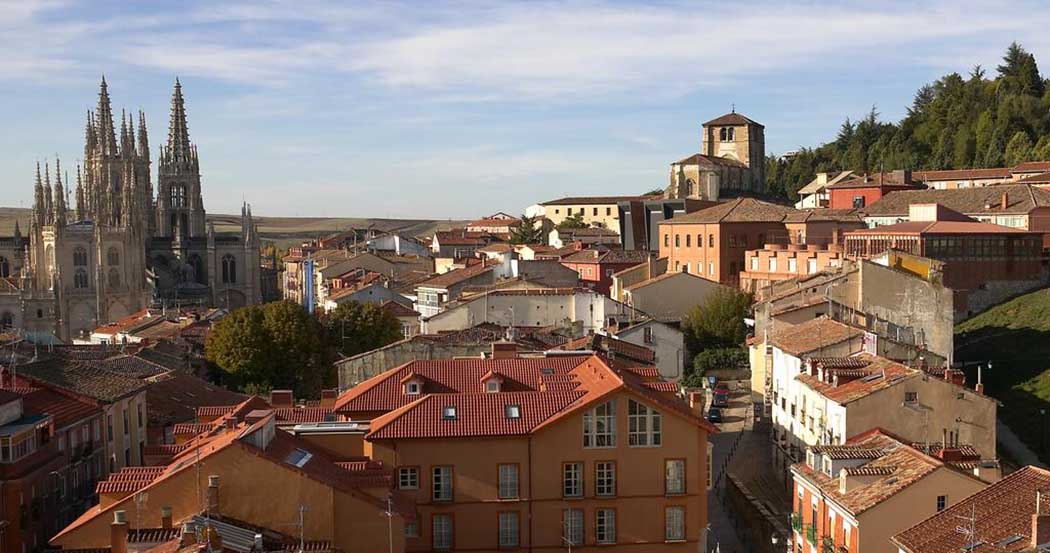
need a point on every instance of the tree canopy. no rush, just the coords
(528, 232)
(355, 327)
(574, 220)
(718, 322)
(956, 122)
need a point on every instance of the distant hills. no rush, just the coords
(283, 231)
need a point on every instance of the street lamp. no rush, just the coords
(775, 541)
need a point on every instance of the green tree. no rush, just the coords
(528, 232)
(1018, 149)
(275, 345)
(574, 220)
(355, 327)
(718, 322)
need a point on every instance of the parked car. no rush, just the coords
(714, 415)
(720, 398)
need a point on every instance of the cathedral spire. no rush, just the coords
(38, 199)
(60, 195)
(104, 120)
(81, 206)
(49, 213)
(178, 130)
(90, 138)
(143, 139)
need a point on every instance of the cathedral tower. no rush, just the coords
(180, 209)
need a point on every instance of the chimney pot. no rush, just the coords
(1005, 202)
(189, 537)
(165, 517)
(213, 494)
(118, 533)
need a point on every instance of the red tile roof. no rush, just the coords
(962, 174)
(599, 200)
(876, 374)
(1032, 167)
(398, 310)
(938, 227)
(740, 210)
(455, 276)
(813, 335)
(1003, 518)
(732, 118)
(65, 410)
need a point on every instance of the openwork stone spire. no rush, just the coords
(178, 130)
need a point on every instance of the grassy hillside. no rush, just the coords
(1015, 338)
(284, 231)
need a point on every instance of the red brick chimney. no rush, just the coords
(328, 398)
(504, 350)
(1040, 525)
(696, 402)
(213, 494)
(1005, 201)
(282, 398)
(118, 533)
(165, 517)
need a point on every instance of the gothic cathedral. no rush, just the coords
(121, 248)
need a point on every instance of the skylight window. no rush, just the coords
(298, 458)
(449, 412)
(492, 386)
(546, 370)
(513, 411)
(412, 388)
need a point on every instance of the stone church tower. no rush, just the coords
(121, 249)
(731, 161)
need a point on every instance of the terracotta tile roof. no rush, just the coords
(301, 415)
(486, 222)
(877, 374)
(64, 409)
(608, 256)
(132, 365)
(579, 233)
(177, 398)
(937, 227)
(398, 310)
(896, 467)
(1040, 178)
(985, 200)
(215, 410)
(602, 343)
(191, 428)
(710, 161)
(384, 392)
(823, 215)
(740, 210)
(456, 276)
(598, 200)
(666, 276)
(1003, 518)
(962, 174)
(812, 335)
(82, 378)
(871, 181)
(1032, 167)
(477, 414)
(462, 237)
(732, 118)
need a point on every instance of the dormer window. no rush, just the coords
(492, 386)
(449, 413)
(827, 465)
(513, 411)
(412, 388)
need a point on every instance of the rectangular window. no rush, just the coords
(572, 526)
(811, 266)
(441, 532)
(647, 335)
(605, 478)
(572, 480)
(599, 426)
(109, 426)
(643, 425)
(408, 478)
(127, 425)
(674, 476)
(411, 529)
(710, 240)
(97, 428)
(667, 240)
(911, 397)
(608, 211)
(754, 263)
(605, 526)
(674, 523)
(139, 409)
(677, 240)
(772, 264)
(508, 529)
(792, 265)
(508, 481)
(688, 240)
(441, 486)
(711, 268)
(942, 502)
(595, 212)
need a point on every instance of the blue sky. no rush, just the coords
(426, 109)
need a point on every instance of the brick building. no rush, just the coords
(861, 191)
(596, 267)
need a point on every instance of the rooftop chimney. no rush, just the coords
(902, 176)
(165, 517)
(696, 402)
(328, 398)
(504, 350)
(1005, 201)
(118, 533)
(1040, 523)
(189, 537)
(213, 494)
(282, 398)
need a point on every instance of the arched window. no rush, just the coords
(184, 225)
(722, 134)
(178, 195)
(730, 134)
(112, 257)
(113, 280)
(7, 320)
(80, 279)
(5, 267)
(229, 269)
(79, 257)
(198, 269)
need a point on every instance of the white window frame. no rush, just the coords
(441, 533)
(572, 526)
(604, 526)
(572, 479)
(674, 477)
(674, 523)
(605, 478)
(599, 426)
(644, 425)
(508, 481)
(509, 528)
(441, 483)
(408, 478)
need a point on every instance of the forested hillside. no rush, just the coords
(958, 122)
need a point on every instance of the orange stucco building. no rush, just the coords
(538, 454)
(245, 469)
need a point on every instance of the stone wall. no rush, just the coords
(994, 293)
(359, 368)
